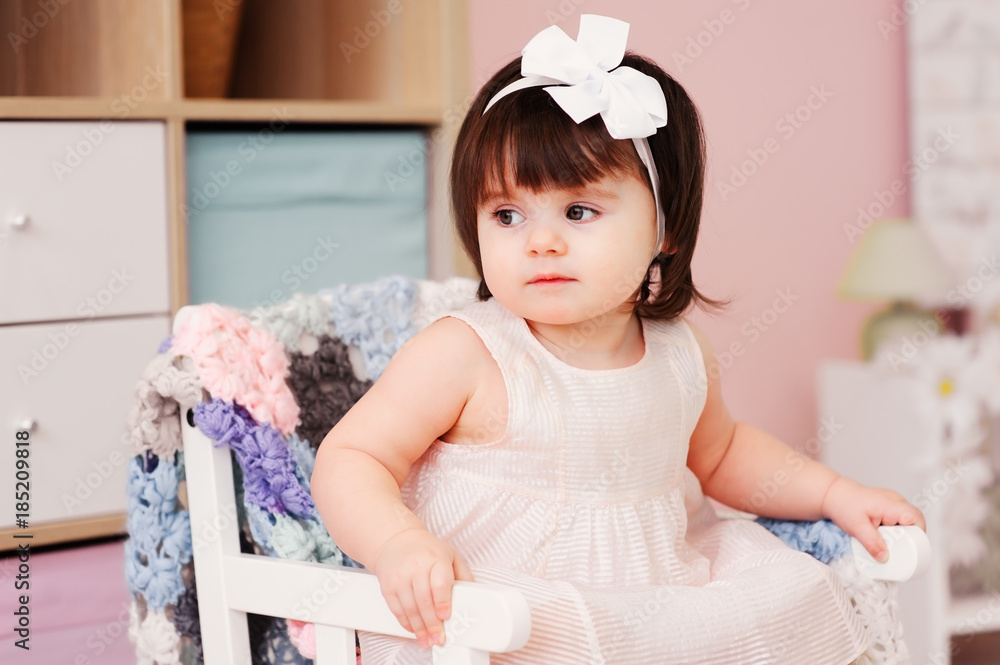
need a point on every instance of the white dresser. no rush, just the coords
(84, 304)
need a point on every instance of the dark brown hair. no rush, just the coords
(527, 140)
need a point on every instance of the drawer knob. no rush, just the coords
(18, 221)
(28, 424)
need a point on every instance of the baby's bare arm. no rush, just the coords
(747, 468)
(366, 457)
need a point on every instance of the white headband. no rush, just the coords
(580, 80)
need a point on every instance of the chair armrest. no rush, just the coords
(485, 617)
(909, 554)
(909, 547)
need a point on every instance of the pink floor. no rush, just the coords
(77, 604)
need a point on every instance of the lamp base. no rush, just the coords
(893, 326)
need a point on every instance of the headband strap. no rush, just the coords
(580, 79)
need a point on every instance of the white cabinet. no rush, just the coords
(83, 218)
(77, 402)
(84, 304)
(880, 437)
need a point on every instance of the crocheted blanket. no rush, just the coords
(270, 383)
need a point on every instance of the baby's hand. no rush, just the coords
(416, 572)
(860, 510)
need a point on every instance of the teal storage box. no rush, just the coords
(273, 212)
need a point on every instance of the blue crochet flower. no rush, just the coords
(824, 540)
(159, 579)
(375, 317)
(160, 535)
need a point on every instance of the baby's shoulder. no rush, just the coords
(698, 336)
(450, 339)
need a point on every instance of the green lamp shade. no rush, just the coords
(895, 261)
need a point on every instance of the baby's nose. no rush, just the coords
(544, 237)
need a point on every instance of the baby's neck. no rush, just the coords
(616, 344)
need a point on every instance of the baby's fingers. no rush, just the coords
(412, 608)
(866, 532)
(433, 629)
(442, 580)
(396, 607)
(905, 515)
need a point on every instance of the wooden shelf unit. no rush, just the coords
(351, 62)
(379, 62)
(101, 48)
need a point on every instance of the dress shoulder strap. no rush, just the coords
(681, 347)
(499, 328)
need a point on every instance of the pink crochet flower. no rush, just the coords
(239, 363)
(303, 636)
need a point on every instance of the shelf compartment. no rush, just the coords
(275, 210)
(97, 48)
(373, 50)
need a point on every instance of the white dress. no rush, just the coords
(587, 506)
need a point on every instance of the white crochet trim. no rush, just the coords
(297, 322)
(153, 423)
(437, 298)
(877, 605)
(155, 638)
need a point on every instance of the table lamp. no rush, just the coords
(894, 261)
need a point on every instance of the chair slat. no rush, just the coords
(334, 646)
(214, 535)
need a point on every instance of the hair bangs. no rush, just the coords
(534, 145)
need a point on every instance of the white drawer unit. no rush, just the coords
(75, 404)
(83, 220)
(84, 304)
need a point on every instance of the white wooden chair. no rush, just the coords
(340, 600)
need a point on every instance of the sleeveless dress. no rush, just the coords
(586, 505)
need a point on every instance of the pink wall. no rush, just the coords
(782, 230)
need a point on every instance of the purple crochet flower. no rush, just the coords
(269, 479)
(165, 344)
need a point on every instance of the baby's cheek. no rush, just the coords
(624, 276)
(494, 268)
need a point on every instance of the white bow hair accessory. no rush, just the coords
(580, 79)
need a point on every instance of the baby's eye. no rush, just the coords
(578, 213)
(507, 217)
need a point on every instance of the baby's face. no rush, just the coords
(568, 255)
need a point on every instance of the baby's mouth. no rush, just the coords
(550, 279)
